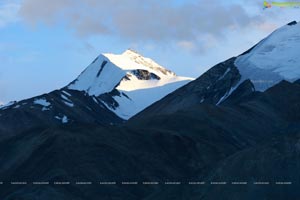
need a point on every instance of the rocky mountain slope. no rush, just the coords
(272, 60)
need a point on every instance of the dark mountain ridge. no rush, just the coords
(52, 109)
(154, 149)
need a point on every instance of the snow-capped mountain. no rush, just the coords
(127, 83)
(274, 59)
(110, 90)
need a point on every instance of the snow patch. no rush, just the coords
(67, 101)
(42, 102)
(16, 107)
(63, 119)
(228, 93)
(45, 109)
(69, 104)
(95, 100)
(66, 93)
(65, 98)
(226, 72)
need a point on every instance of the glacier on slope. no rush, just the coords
(274, 59)
(133, 81)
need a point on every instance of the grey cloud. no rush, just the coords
(136, 20)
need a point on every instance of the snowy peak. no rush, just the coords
(273, 59)
(100, 77)
(127, 83)
(108, 71)
(131, 60)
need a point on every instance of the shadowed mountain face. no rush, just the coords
(275, 162)
(257, 134)
(212, 87)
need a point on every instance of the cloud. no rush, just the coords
(8, 13)
(159, 21)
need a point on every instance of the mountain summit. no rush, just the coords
(273, 59)
(127, 83)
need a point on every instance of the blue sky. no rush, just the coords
(44, 44)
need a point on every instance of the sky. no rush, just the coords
(45, 44)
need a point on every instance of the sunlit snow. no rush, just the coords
(110, 71)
